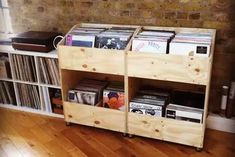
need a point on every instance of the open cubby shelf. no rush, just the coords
(28, 91)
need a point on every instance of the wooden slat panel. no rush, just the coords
(144, 125)
(92, 59)
(78, 113)
(109, 119)
(183, 132)
(94, 116)
(169, 67)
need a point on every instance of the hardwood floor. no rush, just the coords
(29, 135)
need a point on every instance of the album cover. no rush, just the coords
(92, 88)
(147, 108)
(190, 49)
(83, 97)
(151, 46)
(87, 40)
(112, 42)
(86, 97)
(191, 44)
(113, 99)
(185, 113)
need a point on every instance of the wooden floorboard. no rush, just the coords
(25, 134)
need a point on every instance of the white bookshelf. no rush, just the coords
(10, 106)
(6, 79)
(43, 88)
(216, 122)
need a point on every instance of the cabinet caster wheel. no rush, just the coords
(67, 123)
(124, 134)
(198, 149)
(130, 135)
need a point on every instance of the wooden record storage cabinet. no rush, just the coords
(190, 73)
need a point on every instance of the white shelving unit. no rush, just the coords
(216, 122)
(43, 89)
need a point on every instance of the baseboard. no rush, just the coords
(217, 122)
(26, 109)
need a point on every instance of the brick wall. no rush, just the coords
(60, 15)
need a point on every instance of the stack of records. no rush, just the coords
(184, 113)
(191, 44)
(186, 106)
(114, 38)
(150, 102)
(7, 95)
(152, 41)
(83, 36)
(5, 70)
(88, 91)
(113, 96)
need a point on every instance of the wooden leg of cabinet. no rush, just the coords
(124, 134)
(198, 149)
(67, 123)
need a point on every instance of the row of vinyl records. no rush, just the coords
(49, 71)
(7, 95)
(29, 96)
(151, 41)
(173, 104)
(25, 69)
(5, 71)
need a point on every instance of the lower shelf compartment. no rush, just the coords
(183, 132)
(94, 116)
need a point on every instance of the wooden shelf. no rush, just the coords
(9, 49)
(6, 79)
(191, 73)
(50, 86)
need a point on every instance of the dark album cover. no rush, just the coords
(111, 43)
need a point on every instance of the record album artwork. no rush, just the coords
(111, 43)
